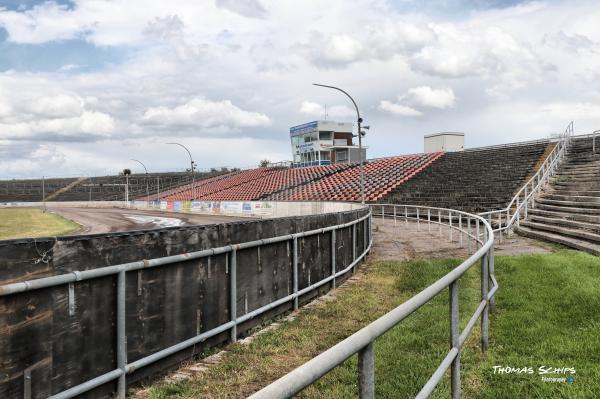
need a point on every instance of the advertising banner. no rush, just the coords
(231, 207)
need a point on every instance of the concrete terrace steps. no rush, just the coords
(566, 215)
(581, 245)
(568, 212)
(569, 209)
(572, 198)
(564, 231)
(474, 180)
(578, 204)
(558, 221)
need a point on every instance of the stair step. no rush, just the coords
(580, 234)
(568, 209)
(594, 227)
(571, 198)
(563, 190)
(564, 215)
(569, 203)
(568, 241)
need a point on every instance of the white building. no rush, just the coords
(323, 143)
(445, 141)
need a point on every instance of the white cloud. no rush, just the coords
(244, 74)
(58, 106)
(204, 113)
(398, 109)
(318, 111)
(429, 97)
(89, 123)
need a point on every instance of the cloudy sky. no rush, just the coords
(85, 85)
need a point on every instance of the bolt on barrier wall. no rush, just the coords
(87, 315)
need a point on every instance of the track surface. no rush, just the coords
(109, 220)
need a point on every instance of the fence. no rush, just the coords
(518, 207)
(128, 273)
(474, 228)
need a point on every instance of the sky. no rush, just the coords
(86, 85)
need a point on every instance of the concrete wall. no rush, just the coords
(164, 305)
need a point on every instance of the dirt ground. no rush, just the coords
(108, 220)
(407, 241)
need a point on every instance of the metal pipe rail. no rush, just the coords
(123, 367)
(509, 216)
(362, 341)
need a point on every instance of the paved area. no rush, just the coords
(406, 241)
(109, 220)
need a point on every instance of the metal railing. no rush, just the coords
(123, 367)
(470, 227)
(508, 217)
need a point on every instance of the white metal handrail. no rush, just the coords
(525, 198)
(362, 341)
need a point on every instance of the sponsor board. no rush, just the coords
(231, 207)
(262, 208)
(163, 205)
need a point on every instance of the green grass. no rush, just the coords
(30, 222)
(547, 315)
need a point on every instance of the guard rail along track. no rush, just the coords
(124, 368)
(471, 228)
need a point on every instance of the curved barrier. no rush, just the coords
(362, 341)
(343, 246)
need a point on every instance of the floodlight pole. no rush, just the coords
(147, 191)
(191, 160)
(358, 121)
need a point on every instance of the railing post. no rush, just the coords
(500, 227)
(469, 235)
(429, 220)
(382, 213)
(450, 224)
(526, 202)
(460, 230)
(395, 221)
(233, 294)
(121, 336)
(353, 246)
(418, 221)
(366, 372)
(365, 234)
(440, 222)
(295, 272)
(518, 211)
(477, 237)
(333, 254)
(455, 340)
(492, 272)
(484, 293)
(406, 216)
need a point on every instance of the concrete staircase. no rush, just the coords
(568, 212)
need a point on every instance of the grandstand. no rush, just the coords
(474, 180)
(97, 188)
(381, 176)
